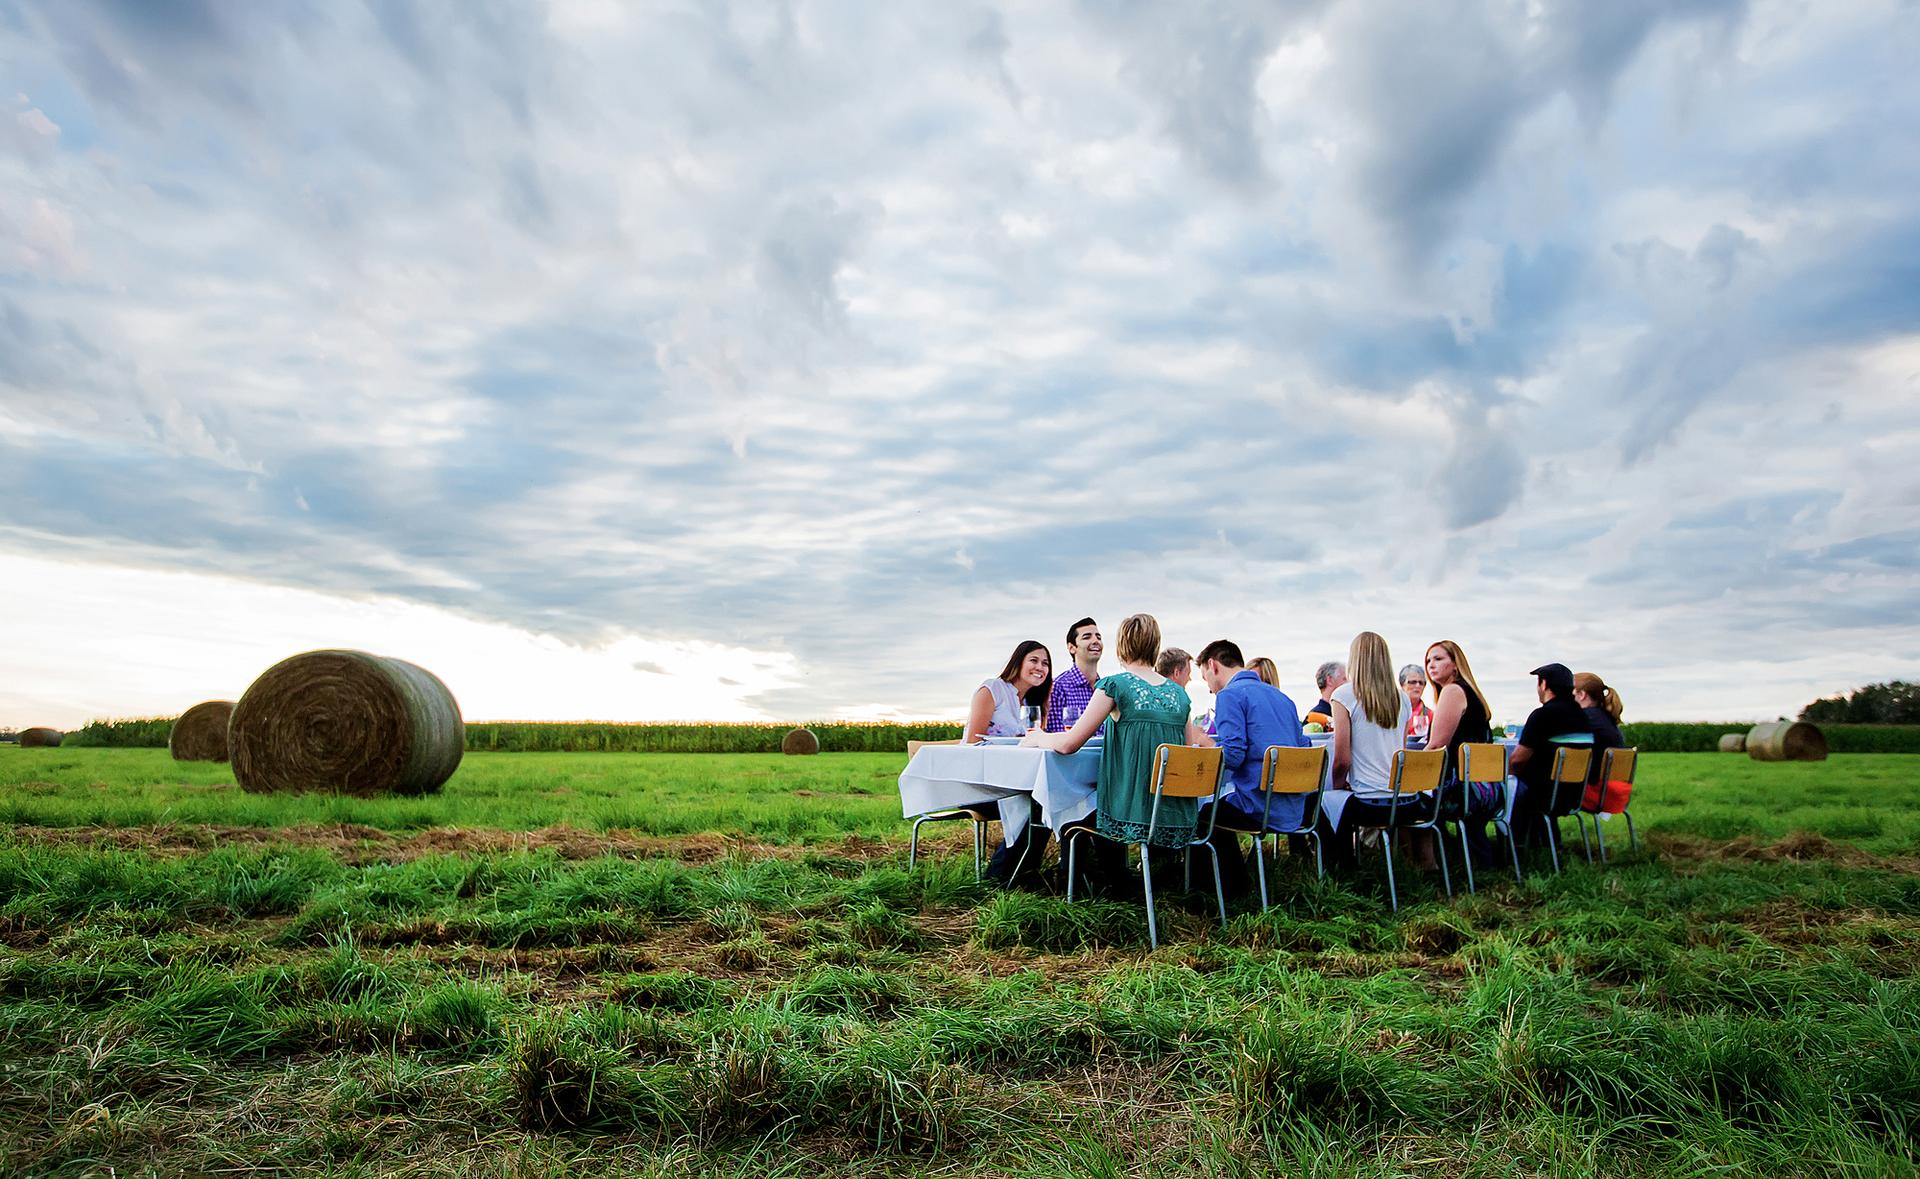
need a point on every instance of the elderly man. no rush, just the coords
(1176, 665)
(1328, 677)
(1250, 716)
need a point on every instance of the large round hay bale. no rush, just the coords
(1786, 741)
(1733, 743)
(39, 738)
(800, 743)
(346, 722)
(201, 732)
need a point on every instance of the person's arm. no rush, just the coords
(1199, 737)
(979, 716)
(1342, 743)
(1083, 731)
(1446, 715)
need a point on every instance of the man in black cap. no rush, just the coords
(1559, 716)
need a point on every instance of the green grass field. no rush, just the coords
(663, 964)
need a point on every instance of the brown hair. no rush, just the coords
(1594, 686)
(1139, 639)
(1370, 668)
(1171, 660)
(1462, 674)
(1039, 693)
(1268, 673)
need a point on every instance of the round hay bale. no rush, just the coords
(1733, 743)
(40, 738)
(346, 722)
(201, 732)
(800, 743)
(1786, 741)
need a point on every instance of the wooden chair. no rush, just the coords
(1616, 766)
(1415, 771)
(1182, 771)
(1567, 785)
(981, 815)
(1486, 764)
(1289, 771)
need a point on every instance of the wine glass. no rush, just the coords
(1031, 714)
(1070, 715)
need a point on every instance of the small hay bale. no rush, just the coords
(800, 743)
(1786, 741)
(346, 722)
(1733, 743)
(201, 732)
(40, 738)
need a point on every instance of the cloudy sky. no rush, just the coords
(635, 360)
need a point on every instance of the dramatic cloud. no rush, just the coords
(820, 351)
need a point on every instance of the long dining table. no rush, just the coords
(1002, 772)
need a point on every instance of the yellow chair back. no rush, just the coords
(1571, 763)
(914, 747)
(1294, 771)
(1182, 771)
(1419, 769)
(1618, 765)
(1483, 762)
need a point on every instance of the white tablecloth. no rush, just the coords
(942, 776)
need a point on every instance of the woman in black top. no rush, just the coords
(1459, 707)
(1602, 706)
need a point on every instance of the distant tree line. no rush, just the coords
(1894, 703)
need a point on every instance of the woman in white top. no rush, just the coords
(1370, 715)
(999, 704)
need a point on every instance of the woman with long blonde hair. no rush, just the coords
(1602, 706)
(1370, 715)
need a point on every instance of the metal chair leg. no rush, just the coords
(979, 851)
(1146, 876)
(1073, 857)
(1553, 841)
(1393, 893)
(1219, 890)
(1600, 838)
(1260, 867)
(1186, 870)
(1440, 849)
(1580, 821)
(913, 842)
(1513, 848)
(1466, 853)
(1319, 863)
(1633, 840)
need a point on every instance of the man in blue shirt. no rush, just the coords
(1250, 716)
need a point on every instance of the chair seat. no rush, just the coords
(1084, 826)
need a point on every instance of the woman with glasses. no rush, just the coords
(1413, 682)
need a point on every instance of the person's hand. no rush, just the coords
(1035, 739)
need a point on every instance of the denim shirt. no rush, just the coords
(1249, 717)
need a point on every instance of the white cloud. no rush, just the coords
(878, 340)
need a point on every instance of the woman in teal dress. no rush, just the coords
(1142, 710)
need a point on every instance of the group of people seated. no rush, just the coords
(1370, 711)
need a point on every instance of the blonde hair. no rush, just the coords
(1594, 686)
(1462, 674)
(1265, 669)
(1370, 669)
(1139, 640)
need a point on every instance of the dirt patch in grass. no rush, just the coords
(356, 844)
(1795, 847)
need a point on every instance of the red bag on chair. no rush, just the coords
(1606, 797)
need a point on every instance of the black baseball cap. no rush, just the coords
(1559, 679)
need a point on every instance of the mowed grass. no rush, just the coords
(1869, 800)
(765, 796)
(1719, 1006)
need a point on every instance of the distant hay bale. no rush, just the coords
(1786, 741)
(800, 743)
(39, 738)
(346, 722)
(1733, 743)
(201, 732)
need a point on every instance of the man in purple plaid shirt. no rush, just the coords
(1073, 688)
